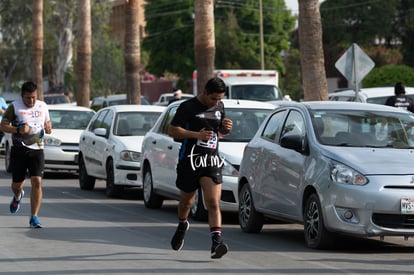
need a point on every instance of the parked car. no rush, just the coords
(110, 147)
(55, 99)
(377, 95)
(160, 155)
(166, 97)
(336, 167)
(62, 145)
(100, 102)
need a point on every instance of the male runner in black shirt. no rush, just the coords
(197, 125)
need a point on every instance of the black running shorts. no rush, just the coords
(23, 159)
(188, 176)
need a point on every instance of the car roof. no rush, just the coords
(372, 92)
(68, 107)
(135, 107)
(239, 103)
(340, 105)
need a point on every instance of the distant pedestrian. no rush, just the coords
(27, 119)
(177, 96)
(400, 100)
(3, 107)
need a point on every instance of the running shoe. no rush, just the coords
(218, 248)
(15, 204)
(34, 222)
(177, 241)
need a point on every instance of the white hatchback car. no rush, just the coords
(62, 145)
(110, 146)
(160, 155)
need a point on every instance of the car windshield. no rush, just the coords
(66, 119)
(256, 92)
(358, 128)
(134, 123)
(245, 123)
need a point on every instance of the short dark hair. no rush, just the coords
(215, 85)
(29, 87)
(399, 88)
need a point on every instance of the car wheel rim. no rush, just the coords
(312, 221)
(245, 207)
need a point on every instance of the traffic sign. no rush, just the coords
(354, 64)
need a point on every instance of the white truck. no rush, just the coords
(260, 85)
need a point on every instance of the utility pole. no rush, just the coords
(262, 66)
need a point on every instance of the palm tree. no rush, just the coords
(132, 52)
(314, 82)
(204, 42)
(37, 45)
(84, 53)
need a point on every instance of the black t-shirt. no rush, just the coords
(401, 101)
(194, 116)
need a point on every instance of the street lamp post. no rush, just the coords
(261, 35)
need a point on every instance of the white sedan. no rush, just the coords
(160, 155)
(62, 145)
(110, 147)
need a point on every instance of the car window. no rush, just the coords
(107, 121)
(56, 99)
(65, 119)
(361, 129)
(134, 123)
(273, 125)
(169, 115)
(246, 122)
(97, 120)
(294, 124)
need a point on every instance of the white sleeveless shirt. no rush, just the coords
(35, 117)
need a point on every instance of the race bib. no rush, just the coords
(211, 143)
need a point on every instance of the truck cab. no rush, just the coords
(259, 85)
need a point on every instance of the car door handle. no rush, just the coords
(170, 147)
(154, 142)
(93, 142)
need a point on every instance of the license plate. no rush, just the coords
(407, 206)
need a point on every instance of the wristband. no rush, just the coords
(18, 130)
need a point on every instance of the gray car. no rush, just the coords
(335, 167)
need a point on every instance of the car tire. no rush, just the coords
(112, 190)
(86, 182)
(250, 220)
(316, 235)
(7, 158)
(198, 210)
(151, 200)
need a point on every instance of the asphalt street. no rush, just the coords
(87, 233)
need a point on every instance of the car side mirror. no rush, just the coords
(100, 132)
(294, 142)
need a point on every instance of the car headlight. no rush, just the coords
(229, 170)
(341, 173)
(51, 141)
(130, 156)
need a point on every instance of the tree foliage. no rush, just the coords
(389, 75)
(170, 35)
(385, 28)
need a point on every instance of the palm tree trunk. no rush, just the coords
(37, 45)
(204, 41)
(312, 60)
(132, 52)
(84, 53)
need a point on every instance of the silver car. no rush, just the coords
(336, 167)
(160, 155)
